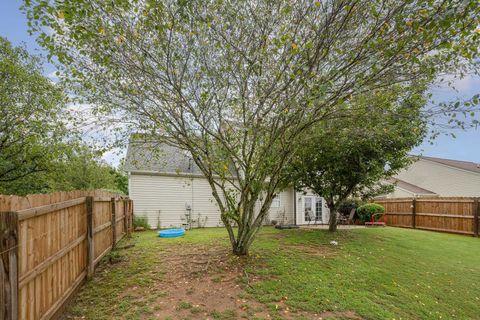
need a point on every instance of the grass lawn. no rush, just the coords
(381, 273)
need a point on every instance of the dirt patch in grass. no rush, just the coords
(340, 315)
(277, 236)
(312, 250)
(203, 283)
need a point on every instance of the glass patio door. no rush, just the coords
(312, 209)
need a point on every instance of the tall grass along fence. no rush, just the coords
(456, 215)
(50, 243)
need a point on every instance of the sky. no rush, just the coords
(466, 145)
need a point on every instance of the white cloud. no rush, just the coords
(53, 76)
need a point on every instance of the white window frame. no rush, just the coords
(276, 203)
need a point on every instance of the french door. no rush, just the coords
(312, 209)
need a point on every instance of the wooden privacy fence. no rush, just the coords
(456, 215)
(50, 243)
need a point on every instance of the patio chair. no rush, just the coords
(342, 219)
(311, 217)
(349, 219)
(350, 216)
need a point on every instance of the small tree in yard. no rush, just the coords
(350, 156)
(237, 83)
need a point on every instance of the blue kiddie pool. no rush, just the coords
(171, 233)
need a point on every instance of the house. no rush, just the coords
(437, 177)
(166, 187)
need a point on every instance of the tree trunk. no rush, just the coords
(241, 212)
(248, 226)
(241, 239)
(332, 223)
(240, 249)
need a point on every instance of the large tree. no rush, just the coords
(236, 83)
(83, 169)
(354, 155)
(76, 167)
(31, 108)
(37, 151)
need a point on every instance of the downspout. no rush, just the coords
(129, 175)
(294, 205)
(190, 164)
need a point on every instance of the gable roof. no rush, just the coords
(411, 187)
(464, 165)
(159, 158)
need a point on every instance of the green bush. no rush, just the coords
(141, 221)
(365, 212)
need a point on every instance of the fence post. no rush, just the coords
(476, 213)
(414, 213)
(130, 215)
(114, 223)
(9, 265)
(90, 235)
(125, 217)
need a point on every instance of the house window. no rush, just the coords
(275, 201)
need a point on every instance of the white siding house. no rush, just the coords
(167, 186)
(430, 176)
(166, 199)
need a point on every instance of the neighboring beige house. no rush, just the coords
(430, 177)
(167, 186)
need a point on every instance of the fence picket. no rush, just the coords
(476, 212)
(9, 265)
(114, 222)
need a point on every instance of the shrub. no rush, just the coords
(140, 221)
(365, 212)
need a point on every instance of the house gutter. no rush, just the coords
(175, 174)
(129, 180)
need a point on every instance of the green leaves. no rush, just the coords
(37, 150)
(31, 117)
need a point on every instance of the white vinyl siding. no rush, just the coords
(164, 200)
(284, 212)
(399, 193)
(444, 180)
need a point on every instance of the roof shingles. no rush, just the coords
(158, 157)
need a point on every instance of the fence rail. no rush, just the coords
(50, 243)
(455, 215)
